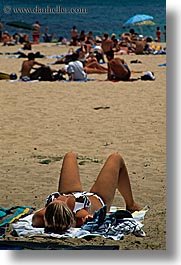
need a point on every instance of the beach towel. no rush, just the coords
(162, 64)
(85, 80)
(11, 214)
(159, 52)
(20, 80)
(115, 226)
(68, 81)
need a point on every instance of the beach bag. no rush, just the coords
(58, 76)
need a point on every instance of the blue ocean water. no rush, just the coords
(97, 16)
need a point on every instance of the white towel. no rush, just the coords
(24, 228)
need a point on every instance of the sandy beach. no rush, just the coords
(41, 121)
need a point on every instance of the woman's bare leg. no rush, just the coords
(69, 176)
(114, 175)
(90, 70)
(96, 65)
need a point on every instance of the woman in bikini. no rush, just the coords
(72, 207)
(91, 65)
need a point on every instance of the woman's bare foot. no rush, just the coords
(134, 207)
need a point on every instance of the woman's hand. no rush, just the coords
(88, 218)
(82, 217)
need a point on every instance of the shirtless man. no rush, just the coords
(28, 65)
(107, 43)
(74, 36)
(117, 68)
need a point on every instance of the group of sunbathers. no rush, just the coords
(78, 64)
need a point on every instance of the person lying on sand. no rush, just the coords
(70, 206)
(80, 66)
(117, 68)
(95, 68)
(91, 65)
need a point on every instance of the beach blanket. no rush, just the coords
(50, 245)
(162, 64)
(114, 225)
(19, 80)
(11, 214)
(86, 80)
(33, 81)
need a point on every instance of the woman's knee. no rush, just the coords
(70, 155)
(116, 157)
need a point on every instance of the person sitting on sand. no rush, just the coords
(27, 46)
(140, 45)
(7, 39)
(89, 42)
(117, 68)
(90, 63)
(74, 36)
(46, 36)
(75, 69)
(70, 206)
(90, 37)
(82, 37)
(98, 51)
(125, 46)
(29, 64)
(91, 56)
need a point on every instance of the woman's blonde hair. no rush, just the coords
(58, 217)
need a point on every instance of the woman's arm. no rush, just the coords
(38, 218)
(81, 217)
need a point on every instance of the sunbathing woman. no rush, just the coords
(71, 206)
(91, 65)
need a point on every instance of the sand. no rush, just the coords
(44, 120)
